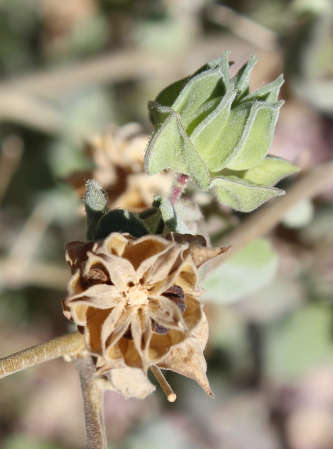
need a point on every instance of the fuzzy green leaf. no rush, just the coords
(268, 92)
(241, 195)
(170, 147)
(199, 97)
(210, 132)
(244, 273)
(270, 171)
(256, 135)
(242, 77)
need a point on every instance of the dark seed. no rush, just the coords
(128, 334)
(176, 294)
(159, 329)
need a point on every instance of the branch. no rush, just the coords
(315, 181)
(93, 398)
(65, 346)
(115, 66)
(10, 158)
(243, 27)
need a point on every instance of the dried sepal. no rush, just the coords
(137, 303)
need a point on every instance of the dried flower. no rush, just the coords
(118, 155)
(136, 301)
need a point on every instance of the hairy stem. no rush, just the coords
(178, 187)
(93, 398)
(312, 183)
(65, 346)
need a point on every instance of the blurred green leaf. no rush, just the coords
(298, 343)
(300, 215)
(162, 434)
(22, 441)
(245, 272)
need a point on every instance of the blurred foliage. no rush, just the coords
(270, 310)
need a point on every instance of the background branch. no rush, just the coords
(312, 183)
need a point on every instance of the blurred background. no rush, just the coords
(69, 71)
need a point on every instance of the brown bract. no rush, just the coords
(136, 301)
(118, 156)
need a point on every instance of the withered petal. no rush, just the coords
(186, 276)
(201, 255)
(111, 323)
(120, 270)
(93, 330)
(157, 268)
(141, 332)
(101, 296)
(115, 243)
(143, 248)
(76, 253)
(78, 314)
(168, 315)
(74, 284)
(131, 382)
(187, 359)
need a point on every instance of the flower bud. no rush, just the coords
(213, 129)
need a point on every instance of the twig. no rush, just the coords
(93, 398)
(260, 223)
(243, 27)
(64, 346)
(10, 157)
(32, 112)
(32, 232)
(18, 265)
(167, 390)
(17, 95)
(122, 65)
(37, 273)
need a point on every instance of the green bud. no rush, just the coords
(213, 129)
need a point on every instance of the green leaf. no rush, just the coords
(242, 274)
(210, 132)
(191, 103)
(300, 215)
(96, 205)
(242, 77)
(256, 135)
(268, 92)
(241, 195)
(270, 171)
(119, 220)
(171, 148)
(299, 343)
(23, 441)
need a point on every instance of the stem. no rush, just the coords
(167, 390)
(65, 346)
(178, 187)
(93, 398)
(311, 184)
